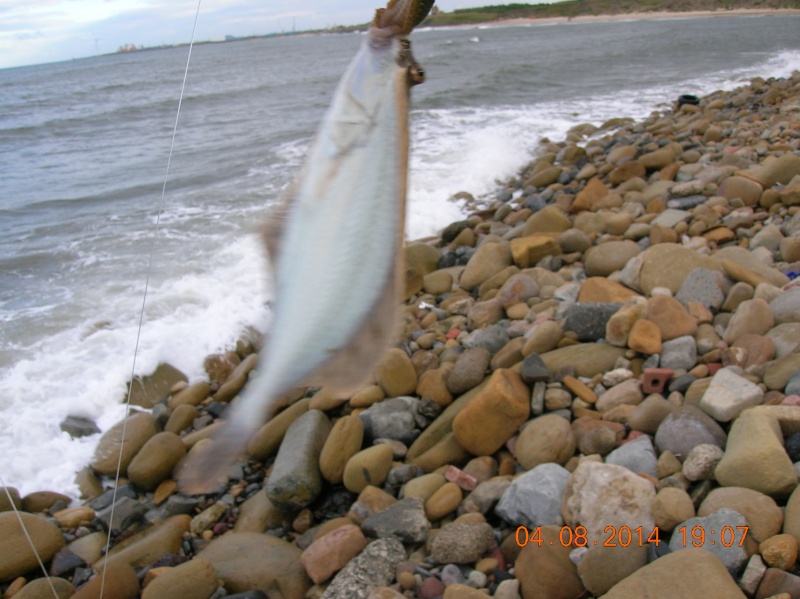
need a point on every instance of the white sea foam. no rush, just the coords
(82, 370)
(471, 150)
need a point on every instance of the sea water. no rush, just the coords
(83, 155)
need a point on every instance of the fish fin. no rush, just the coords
(205, 468)
(350, 368)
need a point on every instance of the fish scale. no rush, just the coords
(338, 260)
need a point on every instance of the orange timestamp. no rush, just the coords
(625, 536)
(622, 536)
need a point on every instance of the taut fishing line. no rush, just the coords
(144, 295)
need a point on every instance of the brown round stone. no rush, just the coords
(155, 461)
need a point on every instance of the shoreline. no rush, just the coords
(684, 223)
(634, 16)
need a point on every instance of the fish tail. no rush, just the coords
(205, 470)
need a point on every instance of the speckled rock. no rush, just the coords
(588, 321)
(462, 542)
(374, 567)
(701, 462)
(763, 515)
(702, 285)
(679, 353)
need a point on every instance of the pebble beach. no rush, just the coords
(596, 394)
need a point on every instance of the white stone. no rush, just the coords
(616, 376)
(753, 573)
(729, 395)
(701, 462)
(600, 495)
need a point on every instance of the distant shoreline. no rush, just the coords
(633, 16)
(522, 22)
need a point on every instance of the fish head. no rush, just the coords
(415, 74)
(401, 16)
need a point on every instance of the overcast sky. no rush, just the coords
(37, 31)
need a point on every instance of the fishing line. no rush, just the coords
(28, 536)
(144, 296)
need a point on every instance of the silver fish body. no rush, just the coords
(338, 262)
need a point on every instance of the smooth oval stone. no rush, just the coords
(138, 428)
(121, 582)
(343, 443)
(368, 467)
(251, 561)
(145, 547)
(155, 461)
(685, 428)
(40, 589)
(295, 480)
(545, 439)
(16, 556)
(195, 579)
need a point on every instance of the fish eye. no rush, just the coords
(416, 74)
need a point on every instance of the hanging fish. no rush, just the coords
(335, 243)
